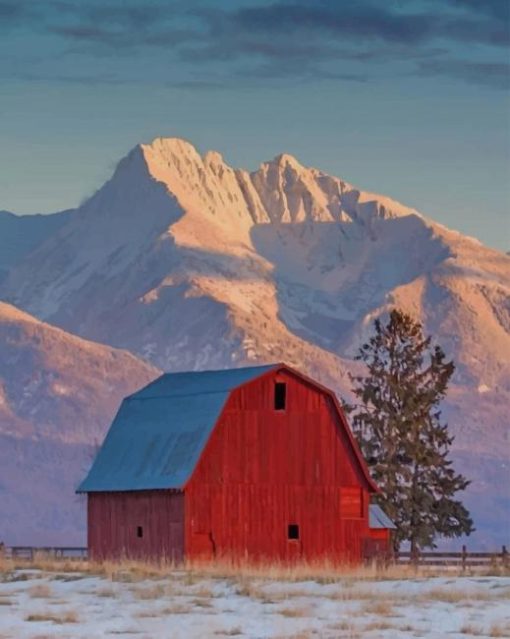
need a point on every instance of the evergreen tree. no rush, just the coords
(398, 425)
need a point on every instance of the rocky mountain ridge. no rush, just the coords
(189, 263)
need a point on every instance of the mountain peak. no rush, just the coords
(206, 187)
(213, 158)
(167, 148)
(179, 146)
(286, 160)
(174, 148)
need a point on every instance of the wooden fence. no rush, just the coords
(461, 560)
(55, 552)
(464, 559)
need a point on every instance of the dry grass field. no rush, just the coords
(47, 598)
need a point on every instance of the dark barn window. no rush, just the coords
(280, 395)
(139, 531)
(293, 531)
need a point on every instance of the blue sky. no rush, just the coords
(408, 98)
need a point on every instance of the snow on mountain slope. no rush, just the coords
(171, 223)
(58, 394)
(193, 264)
(20, 234)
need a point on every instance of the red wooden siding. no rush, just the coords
(380, 533)
(264, 469)
(351, 502)
(115, 517)
(378, 545)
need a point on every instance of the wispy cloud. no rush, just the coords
(491, 74)
(498, 9)
(351, 40)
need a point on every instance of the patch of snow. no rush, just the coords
(431, 608)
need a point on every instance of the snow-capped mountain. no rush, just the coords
(20, 234)
(190, 263)
(57, 394)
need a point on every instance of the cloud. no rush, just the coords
(363, 20)
(336, 39)
(287, 39)
(490, 74)
(498, 9)
(13, 14)
(352, 21)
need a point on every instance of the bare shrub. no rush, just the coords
(356, 594)
(303, 611)
(455, 595)
(349, 631)
(66, 617)
(230, 633)
(203, 591)
(40, 591)
(177, 609)
(500, 630)
(470, 629)
(107, 591)
(201, 602)
(247, 588)
(154, 592)
(381, 608)
(379, 625)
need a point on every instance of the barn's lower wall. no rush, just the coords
(251, 522)
(378, 544)
(114, 519)
(381, 534)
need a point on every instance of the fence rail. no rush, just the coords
(463, 559)
(55, 552)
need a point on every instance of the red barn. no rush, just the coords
(256, 463)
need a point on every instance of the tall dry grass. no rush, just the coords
(324, 572)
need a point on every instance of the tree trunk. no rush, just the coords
(415, 553)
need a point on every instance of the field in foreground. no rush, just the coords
(66, 601)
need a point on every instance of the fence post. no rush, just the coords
(464, 558)
(504, 557)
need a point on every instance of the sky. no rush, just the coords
(409, 98)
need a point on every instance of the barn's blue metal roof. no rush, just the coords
(377, 518)
(158, 434)
(200, 382)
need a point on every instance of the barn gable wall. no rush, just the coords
(263, 470)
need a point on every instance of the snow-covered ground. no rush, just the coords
(73, 604)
